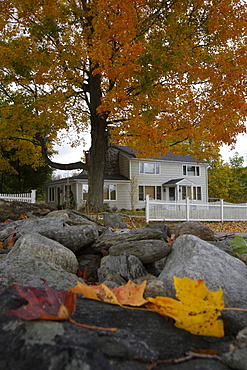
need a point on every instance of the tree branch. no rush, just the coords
(59, 166)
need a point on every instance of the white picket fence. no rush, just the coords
(24, 197)
(192, 211)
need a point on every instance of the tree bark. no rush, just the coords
(99, 145)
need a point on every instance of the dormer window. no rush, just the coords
(149, 168)
(191, 170)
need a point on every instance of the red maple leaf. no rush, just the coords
(48, 304)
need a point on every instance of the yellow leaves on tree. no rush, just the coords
(198, 309)
(130, 294)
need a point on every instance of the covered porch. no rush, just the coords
(176, 190)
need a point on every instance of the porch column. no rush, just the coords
(76, 196)
(177, 193)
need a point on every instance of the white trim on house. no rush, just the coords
(169, 178)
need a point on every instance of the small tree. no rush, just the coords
(133, 192)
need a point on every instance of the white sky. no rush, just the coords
(68, 155)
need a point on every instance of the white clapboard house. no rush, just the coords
(129, 179)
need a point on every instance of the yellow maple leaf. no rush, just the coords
(198, 309)
(129, 294)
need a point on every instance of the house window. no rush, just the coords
(197, 193)
(191, 170)
(51, 194)
(154, 192)
(110, 192)
(184, 192)
(149, 168)
(85, 191)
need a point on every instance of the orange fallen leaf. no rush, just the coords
(198, 309)
(129, 294)
(9, 241)
(171, 239)
(82, 274)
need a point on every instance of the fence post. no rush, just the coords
(147, 209)
(187, 209)
(33, 196)
(222, 210)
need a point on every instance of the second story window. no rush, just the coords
(191, 170)
(149, 168)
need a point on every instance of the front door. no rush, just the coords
(172, 193)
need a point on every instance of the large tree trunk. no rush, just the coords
(98, 149)
(99, 145)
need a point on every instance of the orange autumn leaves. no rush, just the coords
(197, 311)
(128, 294)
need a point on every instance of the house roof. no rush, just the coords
(169, 157)
(107, 176)
(182, 181)
(173, 181)
(84, 176)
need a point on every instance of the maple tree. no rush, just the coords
(156, 75)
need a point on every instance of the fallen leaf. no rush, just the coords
(239, 244)
(9, 241)
(129, 294)
(171, 239)
(23, 217)
(46, 304)
(198, 309)
(82, 274)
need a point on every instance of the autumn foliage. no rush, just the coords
(197, 310)
(156, 75)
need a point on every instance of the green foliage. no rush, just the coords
(228, 181)
(239, 244)
(24, 179)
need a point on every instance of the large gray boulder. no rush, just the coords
(47, 250)
(197, 259)
(28, 270)
(109, 239)
(114, 220)
(62, 230)
(146, 250)
(193, 228)
(127, 266)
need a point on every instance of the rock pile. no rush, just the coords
(54, 247)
